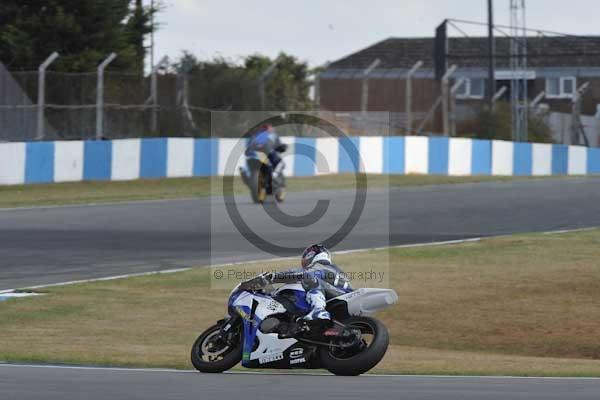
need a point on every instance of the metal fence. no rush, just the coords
(78, 106)
(47, 105)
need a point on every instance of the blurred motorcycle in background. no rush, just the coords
(261, 178)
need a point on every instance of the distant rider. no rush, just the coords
(320, 278)
(267, 141)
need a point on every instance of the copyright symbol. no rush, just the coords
(218, 274)
(346, 145)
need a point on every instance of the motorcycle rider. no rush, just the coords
(268, 142)
(320, 279)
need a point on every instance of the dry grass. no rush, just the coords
(421, 360)
(101, 192)
(533, 295)
(521, 305)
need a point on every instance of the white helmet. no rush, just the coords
(314, 253)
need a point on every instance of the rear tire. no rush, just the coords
(256, 186)
(366, 358)
(230, 357)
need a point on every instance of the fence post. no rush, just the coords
(261, 82)
(42, 94)
(100, 95)
(456, 86)
(183, 98)
(317, 86)
(537, 99)
(446, 98)
(577, 128)
(409, 76)
(364, 103)
(497, 97)
(154, 92)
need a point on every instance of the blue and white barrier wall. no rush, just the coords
(67, 161)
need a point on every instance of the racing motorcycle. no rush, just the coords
(264, 330)
(258, 176)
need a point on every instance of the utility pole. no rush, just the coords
(491, 81)
(491, 50)
(518, 66)
(152, 34)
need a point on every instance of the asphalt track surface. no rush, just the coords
(58, 244)
(24, 383)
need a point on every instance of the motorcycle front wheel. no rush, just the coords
(361, 358)
(280, 196)
(212, 353)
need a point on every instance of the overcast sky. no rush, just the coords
(325, 30)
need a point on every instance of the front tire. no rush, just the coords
(340, 362)
(211, 355)
(280, 196)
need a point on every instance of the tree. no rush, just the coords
(138, 26)
(218, 84)
(222, 84)
(83, 32)
(288, 87)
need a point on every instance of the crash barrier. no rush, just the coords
(63, 161)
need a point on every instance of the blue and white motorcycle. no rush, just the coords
(264, 330)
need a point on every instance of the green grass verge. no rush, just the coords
(518, 305)
(176, 188)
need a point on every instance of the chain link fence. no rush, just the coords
(132, 106)
(170, 104)
(166, 104)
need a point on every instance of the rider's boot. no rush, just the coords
(278, 178)
(318, 320)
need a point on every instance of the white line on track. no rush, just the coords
(108, 203)
(569, 231)
(401, 246)
(181, 371)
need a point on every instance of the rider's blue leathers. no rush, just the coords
(320, 280)
(268, 142)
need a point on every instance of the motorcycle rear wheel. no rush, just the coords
(351, 362)
(211, 355)
(256, 184)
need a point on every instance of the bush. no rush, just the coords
(498, 125)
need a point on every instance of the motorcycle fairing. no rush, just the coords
(366, 301)
(299, 293)
(262, 350)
